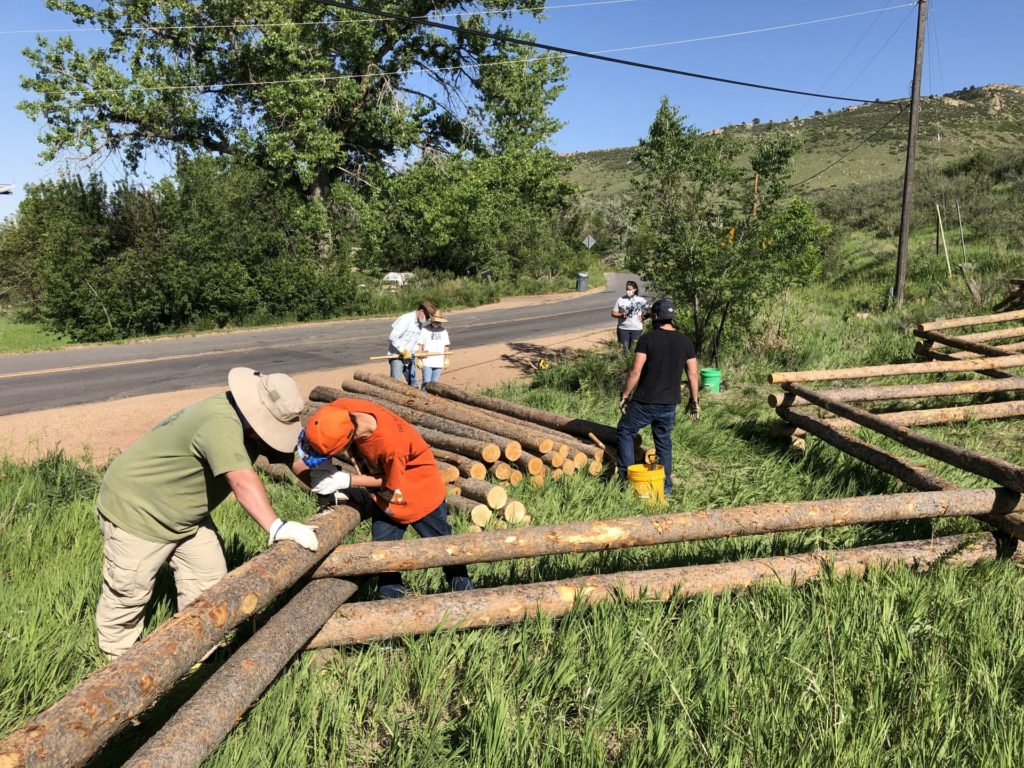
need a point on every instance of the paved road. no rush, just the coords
(30, 382)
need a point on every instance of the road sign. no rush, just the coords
(589, 241)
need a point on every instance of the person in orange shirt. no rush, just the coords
(401, 485)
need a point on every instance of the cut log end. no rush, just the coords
(556, 474)
(516, 478)
(514, 512)
(545, 445)
(513, 450)
(501, 470)
(553, 459)
(480, 515)
(490, 453)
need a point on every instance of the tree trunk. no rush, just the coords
(467, 467)
(1002, 472)
(963, 322)
(501, 470)
(201, 724)
(651, 530)
(472, 509)
(554, 459)
(500, 606)
(904, 391)
(576, 427)
(899, 369)
(530, 464)
(494, 496)
(71, 730)
(449, 472)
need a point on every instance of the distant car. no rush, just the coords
(397, 278)
(6, 189)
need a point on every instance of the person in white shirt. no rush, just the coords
(432, 349)
(405, 335)
(629, 309)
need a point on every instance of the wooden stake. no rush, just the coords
(945, 250)
(963, 322)
(899, 369)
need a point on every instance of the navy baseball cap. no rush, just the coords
(663, 309)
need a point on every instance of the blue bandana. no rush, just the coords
(310, 457)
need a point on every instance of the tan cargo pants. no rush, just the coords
(130, 565)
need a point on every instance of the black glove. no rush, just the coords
(623, 404)
(693, 408)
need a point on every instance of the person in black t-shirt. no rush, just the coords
(652, 391)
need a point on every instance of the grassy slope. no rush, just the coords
(951, 127)
(898, 668)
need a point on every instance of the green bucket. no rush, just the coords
(711, 379)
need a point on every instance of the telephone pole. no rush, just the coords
(908, 175)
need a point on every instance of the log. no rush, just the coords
(932, 416)
(966, 345)
(595, 468)
(423, 420)
(651, 530)
(538, 480)
(453, 490)
(924, 351)
(1011, 523)
(467, 467)
(494, 496)
(499, 606)
(466, 506)
(580, 428)
(516, 478)
(199, 726)
(898, 369)
(514, 511)
(70, 731)
(449, 473)
(998, 333)
(1002, 472)
(904, 391)
(556, 474)
(530, 464)
(963, 322)
(553, 459)
(481, 515)
(501, 470)
(569, 469)
(521, 433)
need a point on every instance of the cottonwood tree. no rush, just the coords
(313, 93)
(712, 224)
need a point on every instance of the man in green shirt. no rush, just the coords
(155, 500)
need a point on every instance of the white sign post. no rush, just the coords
(589, 241)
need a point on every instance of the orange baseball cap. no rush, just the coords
(330, 429)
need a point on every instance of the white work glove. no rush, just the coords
(301, 534)
(339, 481)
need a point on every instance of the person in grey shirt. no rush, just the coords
(629, 309)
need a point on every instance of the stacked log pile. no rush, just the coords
(484, 446)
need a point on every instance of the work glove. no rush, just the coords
(339, 481)
(447, 362)
(623, 404)
(331, 499)
(301, 534)
(405, 354)
(419, 363)
(693, 408)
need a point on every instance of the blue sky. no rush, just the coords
(869, 55)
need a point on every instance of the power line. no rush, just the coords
(879, 51)
(258, 25)
(860, 144)
(583, 54)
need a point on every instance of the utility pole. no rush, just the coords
(908, 175)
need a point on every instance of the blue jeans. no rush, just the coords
(638, 415)
(627, 339)
(385, 528)
(431, 374)
(404, 370)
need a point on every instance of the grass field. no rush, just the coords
(895, 669)
(17, 336)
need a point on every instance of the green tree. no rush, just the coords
(311, 93)
(712, 224)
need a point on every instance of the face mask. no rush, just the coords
(630, 292)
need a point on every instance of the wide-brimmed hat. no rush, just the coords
(428, 309)
(330, 430)
(438, 318)
(271, 403)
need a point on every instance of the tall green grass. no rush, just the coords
(895, 669)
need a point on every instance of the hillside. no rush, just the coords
(952, 126)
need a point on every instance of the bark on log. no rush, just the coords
(70, 731)
(500, 606)
(530, 464)
(898, 369)
(466, 506)
(998, 333)
(514, 511)
(963, 322)
(1002, 472)
(467, 467)
(494, 496)
(932, 416)
(424, 420)
(650, 530)
(923, 351)
(517, 431)
(1011, 523)
(576, 427)
(486, 452)
(966, 345)
(214, 710)
(931, 354)
(553, 459)
(904, 391)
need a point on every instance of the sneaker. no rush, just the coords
(391, 590)
(461, 584)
